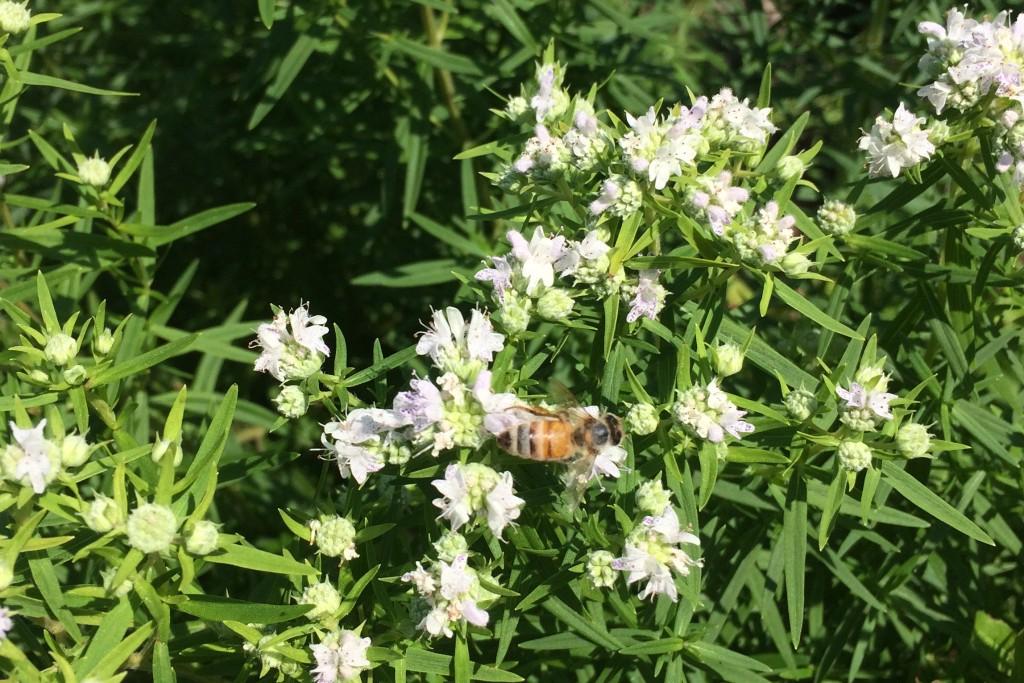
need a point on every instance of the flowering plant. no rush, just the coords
(744, 423)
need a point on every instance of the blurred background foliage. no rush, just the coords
(341, 121)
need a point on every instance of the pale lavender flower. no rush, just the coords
(648, 297)
(503, 506)
(858, 397)
(500, 276)
(717, 200)
(6, 623)
(421, 407)
(355, 441)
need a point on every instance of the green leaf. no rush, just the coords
(287, 71)
(112, 628)
(159, 235)
(794, 543)
(918, 494)
(435, 57)
(133, 162)
(580, 624)
(259, 560)
(377, 369)
(216, 609)
(46, 308)
(447, 235)
(796, 301)
(463, 664)
(419, 274)
(133, 366)
(29, 78)
(267, 13)
(711, 654)
(833, 501)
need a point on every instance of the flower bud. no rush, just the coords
(795, 263)
(325, 600)
(74, 450)
(913, 440)
(800, 404)
(854, 456)
(555, 304)
(291, 402)
(103, 514)
(642, 419)
(104, 342)
(6, 574)
(75, 375)
(938, 132)
(94, 171)
(204, 538)
(61, 349)
(151, 528)
(1018, 237)
(652, 498)
(14, 17)
(160, 448)
(451, 545)
(727, 359)
(836, 218)
(599, 569)
(789, 167)
(334, 536)
(516, 107)
(39, 376)
(515, 312)
(119, 591)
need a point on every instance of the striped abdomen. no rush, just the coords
(540, 440)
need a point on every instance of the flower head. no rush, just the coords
(717, 200)
(15, 17)
(94, 171)
(476, 491)
(648, 297)
(708, 413)
(33, 459)
(292, 346)
(457, 346)
(356, 442)
(894, 145)
(340, 657)
(452, 593)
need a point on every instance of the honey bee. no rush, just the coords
(565, 434)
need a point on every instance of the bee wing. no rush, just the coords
(500, 422)
(563, 394)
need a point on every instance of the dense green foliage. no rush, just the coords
(354, 155)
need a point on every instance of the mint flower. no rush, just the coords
(356, 442)
(473, 491)
(652, 554)
(458, 347)
(707, 413)
(340, 657)
(292, 346)
(717, 201)
(648, 297)
(6, 623)
(33, 460)
(452, 593)
(894, 145)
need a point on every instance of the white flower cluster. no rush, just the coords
(36, 461)
(450, 592)
(653, 551)
(865, 403)
(707, 412)
(893, 145)
(969, 64)
(340, 657)
(473, 491)
(292, 349)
